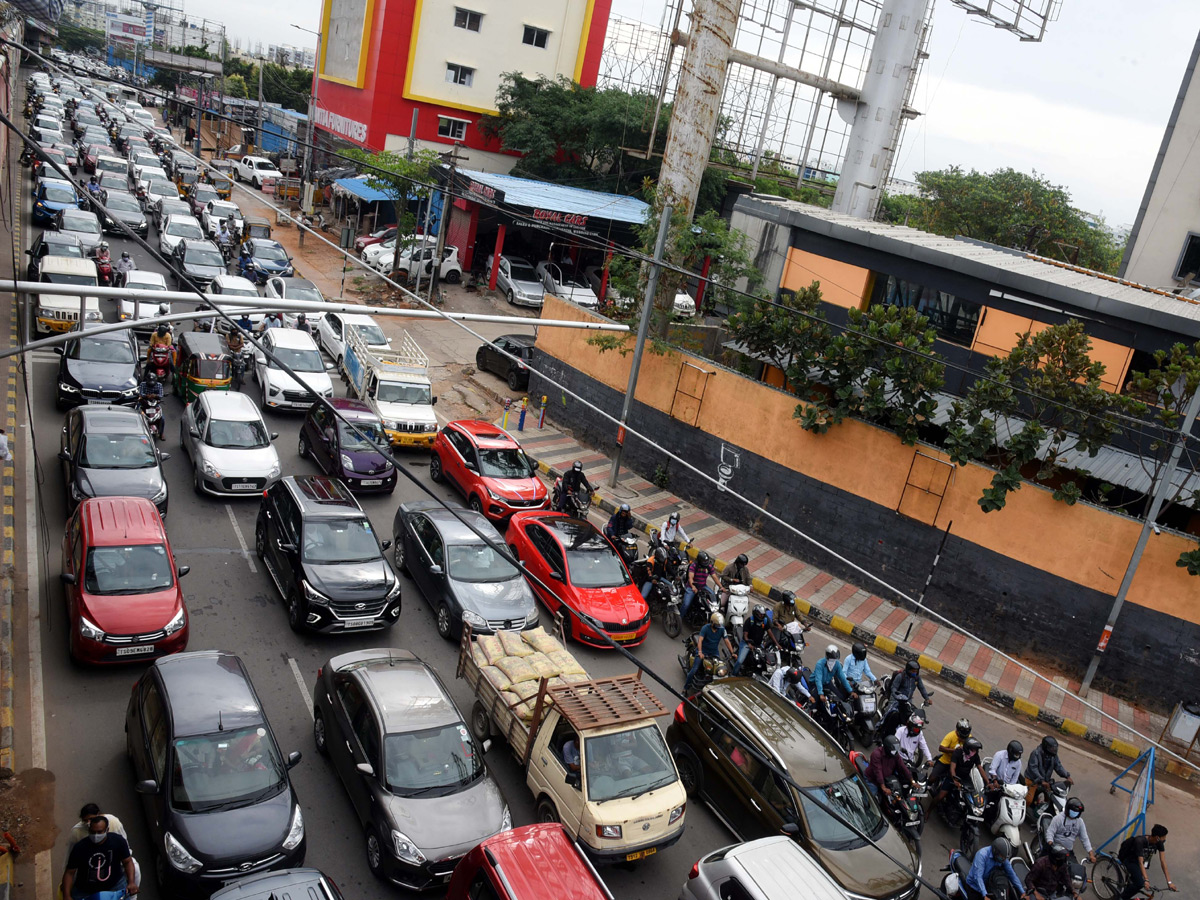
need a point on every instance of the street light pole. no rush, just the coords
(312, 109)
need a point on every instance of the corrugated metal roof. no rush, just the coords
(560, 197)
(359, 188)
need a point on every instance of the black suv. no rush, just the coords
(215, 789)
(325, 557)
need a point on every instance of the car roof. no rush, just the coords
(259, 242)
(283, 884)
(57, 237)
(188, 243)
(543, 861)
(525, 340)
(485, 434)
(111, 521)
(227, 280)
(353, 408)
(407, 693)
(290, 337)
(452, 530)
(570, 531)
(320, 493)
(777, 864)
(232, 406)
(112, 419)
(356, 319)
(208, 691)
(289, 281)
(143, 276)
(810, 757)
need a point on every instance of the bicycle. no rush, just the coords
(1109, 879)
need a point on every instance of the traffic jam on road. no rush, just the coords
(361, 589)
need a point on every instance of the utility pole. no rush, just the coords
(435, 276)
(412, 136)
(664, 227)
(1165, 484)
(258, 132)
(306, 200)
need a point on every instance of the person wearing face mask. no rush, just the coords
(829, 673)
(90, 810)
(100, 862)
(1068, 826)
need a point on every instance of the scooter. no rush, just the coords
(151, 408)
(1046, 805)
(1006, 811)
(160, 362)
(704, 604)
(627, 546)
(709, 669)
(998, 885)
(736, 609)
(104, 269)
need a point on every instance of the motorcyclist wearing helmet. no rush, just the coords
(1043, 765)
(828, 673)
(790, 682)
(302, 324)
(672, 531)
(1068, 826)
(620, 523)
(987, 859)
(913, 745)
(123, 267)
(150, 386)
(858, 666)
(886, 761)
(1050, 875)
(235, 341)
(951, 742)
(908, 682)
(160, 338)
(1006, 765)
(737, 572)
(698, 574)
(756, 633)
(573, 481)
(789, 630)
(656, 568)
(713, 637)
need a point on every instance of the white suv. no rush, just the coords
(299, 352)
(254, 169)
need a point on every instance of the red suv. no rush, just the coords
(122, 584)
(487, 464)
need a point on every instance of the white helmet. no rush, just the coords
(717, 619)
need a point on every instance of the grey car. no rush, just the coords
(518, 281)
(459, 570)
(408, 761)
(82, 225)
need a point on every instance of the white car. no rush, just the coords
(684, 306)
(299, 352)
(141, 280)
(216, 210)
(518, 281)
(254, 169)
(235, 286)
(225, 437)
(281, 288)
(370, 254)
(567, 285)
(178, 228)
(331, 334)
(159, 189)
(450, 271)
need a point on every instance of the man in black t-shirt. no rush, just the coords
(100, 862)
(1131, 853)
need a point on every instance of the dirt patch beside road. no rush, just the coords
(27, 810)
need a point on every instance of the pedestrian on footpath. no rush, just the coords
(5, 453)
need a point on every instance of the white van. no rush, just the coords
(57, 313)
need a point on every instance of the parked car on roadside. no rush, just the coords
(366, 240)
(491, 358)
(488, 466)
(567, 285)
(286, 883)
(230, 448)
(255, 169)
(518, 281)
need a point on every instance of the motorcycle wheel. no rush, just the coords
(969, 839)
(671, 622)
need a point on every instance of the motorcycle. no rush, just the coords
(865, 715)
(160, 362)
(241, 363)
(104, 269)
(830, 715)
(709, 669)
(576, 503)
(627, 546)
(704, 604)
(664, 598)
(901, 806)
(760, 663)
(152, 412)
(737, 607)
(897, 712)
(1047, 804)
(998, 885)
(962, 808)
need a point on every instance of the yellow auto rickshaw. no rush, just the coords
(255, 227)
(185, 178)
(203, 364)
(220, 176)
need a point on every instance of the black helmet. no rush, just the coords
(162, 330)
(793, 675)
(859, 650)
(660, 555)
(759, 614)
(832, 652)
(1050, 745)
(624, 509)
(1001, 848)
(1015, 749)
(788, 599)
(891, 745)
(915, 724)
(703, 559)
(577, 466)
(912, 667)
(124, 254)
(963, 728)
(973, 744)
(1074, 804)
(742, 559)
(1059, 854)
(300, 317)
(152, 378)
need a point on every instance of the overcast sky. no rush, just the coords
(1086, 107)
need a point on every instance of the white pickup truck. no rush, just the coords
(257, 170)
(395, 384)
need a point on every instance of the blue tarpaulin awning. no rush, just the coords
(359, 188)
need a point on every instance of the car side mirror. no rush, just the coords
(194, 431)
(328, 366)
(59, 350)
(487, 744)
(386, 544)
(294, 758)
(149, 786)
(274, 435)
(164, 455)
(435, 569)
(64, 455)
(791, 829)
(366, 769)
(574, 780)
(67, 578)
(29, 252)
(183, 570)
(433, 402)
(557, 576)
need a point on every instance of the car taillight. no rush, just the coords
(680, 715)
(695, 870)
(320, 671)
(264, 495)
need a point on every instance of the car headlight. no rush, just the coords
(493, 494)
(296, 832)
(161, 495)
(274, 470)
(609, 831)
(90, 630)
(347, 463)
(176, 622)
(506, 820)
(474, 619)
(406, 850)
(68, 388)
(394, 590)
(676, 814)
(314, 596)
(129, 392)
(328, 392)
(209, 469)
(178, 856)
(76, 494)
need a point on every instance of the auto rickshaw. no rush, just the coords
(221, 177)
(185, 178)
(203, 364)
(255, 227)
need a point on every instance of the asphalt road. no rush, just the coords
(235, 607)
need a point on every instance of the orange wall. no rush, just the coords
(1083, 544)
(841, 284)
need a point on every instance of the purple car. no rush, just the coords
(342, 452)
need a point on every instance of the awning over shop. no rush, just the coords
(358, 187)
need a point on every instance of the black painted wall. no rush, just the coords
(1025, 611)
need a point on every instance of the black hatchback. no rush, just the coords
(489, 358)
(214, 786)
(325, 557)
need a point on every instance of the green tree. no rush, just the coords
(1161, 396)
(404, 180)
(793, 339)
(75, 38)
(235, 86)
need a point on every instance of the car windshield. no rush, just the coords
(575, 281)
(132, 280)
(140, 569)
(399, 392)
(351, 440)
(300, 292)
(522, 272)
(86, 224)
(224, 770)
(119, 203)
(212, 369)
(204, 256)
(503, 462)
(237, 435)
(627, 764)
(117, 451)
(96, 350)
(595, 564)
(66, 248)
(109, 165)
(371, 334)
(436, 761)
(184, 228)
(274, 254)
(55, 194)
(298, 360)
(339, 541)
(63, 278)
(850, 800)
(477, 563)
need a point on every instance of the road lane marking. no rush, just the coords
(241, 539)
(303, 688)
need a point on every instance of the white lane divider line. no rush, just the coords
(300, 683)
(241, 539)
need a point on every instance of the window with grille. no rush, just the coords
(465, 18)
(455, 129)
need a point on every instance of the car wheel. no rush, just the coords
(475, 504)
(689, 770)
(302, 448)
(481, 360)
(514, 380)
(319, 732)
(254, 181)
(546, 811)
(480, 722)
(260, 540)
(445, 622)
(512, 301)
(337, 364)
(398, 555)
(196, 483)
(435, 469)
(374, 854)
(453, 277)
(263, 405)
(295, 613)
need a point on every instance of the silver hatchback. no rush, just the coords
(770, 868)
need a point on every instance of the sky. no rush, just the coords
(1086, 107)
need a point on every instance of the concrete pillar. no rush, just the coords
(876, 128)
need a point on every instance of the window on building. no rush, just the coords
(535, 37)
(456, 74)
(455, 129)
(952, 317)
(465, 18)
(1189, 260)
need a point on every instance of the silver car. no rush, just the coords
(770, 868)
(567, 285)
(225, 437)
(83, 225)
(518, 281)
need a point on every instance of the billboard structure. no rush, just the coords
(1027, 19)
(125, 31)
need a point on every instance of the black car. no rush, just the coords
(98, 368)
(122, 207)
(200, 261)
(489, 359)
(215, 789)
(282, 885)
(460, 575)
(51, 243)
(107, 451)
(325, 557)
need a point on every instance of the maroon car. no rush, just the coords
(363, 241)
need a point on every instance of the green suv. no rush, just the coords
(753, 802)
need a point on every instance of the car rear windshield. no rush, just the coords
(852, 802)
(64, 278)
(295, 292)
(627, 763)
(122, 203)
(339, 541)
(66, 248)
(433, 762)
(503, 462)
(398, 392)
(370, 334)
(225, 770)
(478, 563)
(95, 350)
(55, 194)
(117, 451)
(139, 569)
(595, 564)
(237, 435)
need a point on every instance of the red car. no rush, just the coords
(487, 464)
(533, 862)
(363, 241)
(122, 585)
(582, 566)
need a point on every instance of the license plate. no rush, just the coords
(641, 854)
(98, 402)
(360, 623)
(624, 636)
(974, 818)
(371, 482)
(135, 650)
(244, 486)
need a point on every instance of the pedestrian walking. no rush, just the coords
(5, 453)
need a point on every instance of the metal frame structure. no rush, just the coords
(1027, 19)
